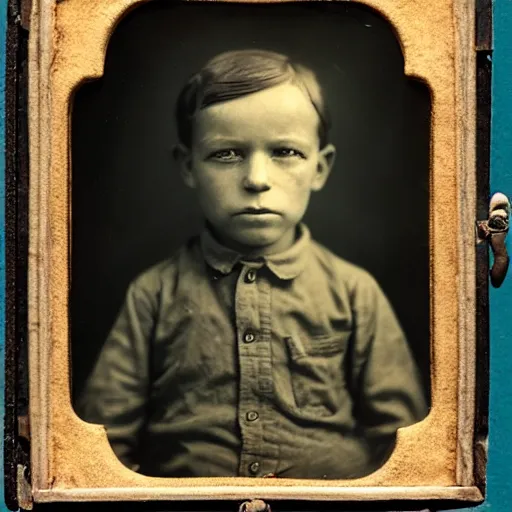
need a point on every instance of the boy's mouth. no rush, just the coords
(256, 211)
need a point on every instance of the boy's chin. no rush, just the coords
(262, 241)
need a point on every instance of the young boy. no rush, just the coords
(254, 351)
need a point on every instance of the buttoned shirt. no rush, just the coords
(291, 365)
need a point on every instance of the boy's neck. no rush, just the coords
(250, 253)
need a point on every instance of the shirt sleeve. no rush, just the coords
(116, 392)
(388, 389)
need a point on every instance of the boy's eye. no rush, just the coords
(227, 155)
(288, 153)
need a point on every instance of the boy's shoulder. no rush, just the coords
(167, 272)
(342, 273)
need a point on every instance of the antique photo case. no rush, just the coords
(252, 251)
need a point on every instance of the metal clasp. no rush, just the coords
(254, 506)
(494, 231)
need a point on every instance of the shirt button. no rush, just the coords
(252, 416)
(254, 467)
(250, 277)
(249, 336)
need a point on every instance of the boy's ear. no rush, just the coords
(183, 157)
(326, 159)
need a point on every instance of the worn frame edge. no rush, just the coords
(371, 494)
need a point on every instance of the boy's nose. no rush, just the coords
(256, 177)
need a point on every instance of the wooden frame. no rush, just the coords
(71, 460)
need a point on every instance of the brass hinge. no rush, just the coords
(23, 486)
(23, 489)
(483, 36)
(254, 505)
(25, 12)
(20, 11)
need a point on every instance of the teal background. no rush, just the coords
(499, 496)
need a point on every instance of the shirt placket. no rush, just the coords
(255, 415)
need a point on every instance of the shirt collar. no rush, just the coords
(285, 265)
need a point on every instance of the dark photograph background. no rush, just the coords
(131, 210)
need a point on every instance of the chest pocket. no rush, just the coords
(316, 371)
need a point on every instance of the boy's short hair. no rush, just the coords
(234, 74)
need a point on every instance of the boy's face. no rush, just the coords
(254, 162)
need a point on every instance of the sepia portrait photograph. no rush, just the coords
(249, 241)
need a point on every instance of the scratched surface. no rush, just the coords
(3, 17)
(500, 452)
